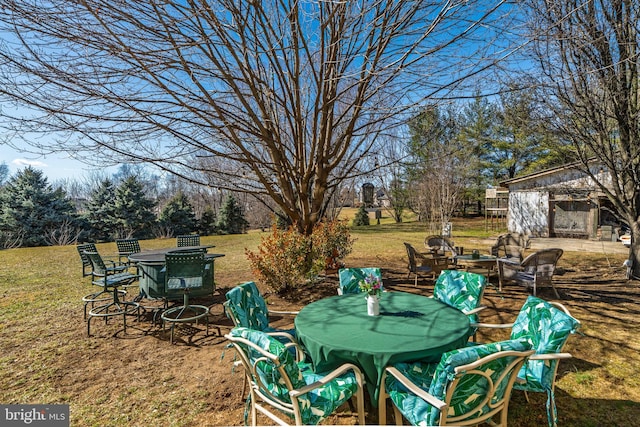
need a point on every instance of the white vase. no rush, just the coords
(373, 305)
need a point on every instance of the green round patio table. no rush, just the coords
(410, 327)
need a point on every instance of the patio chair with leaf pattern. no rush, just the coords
(469, 386)
(279, 381)
(547, 326)
(462, 290)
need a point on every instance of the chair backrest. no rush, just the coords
(440, 243)
(546, 326)
(510, 245)
(351, 277)
(476, 382)
(246, 307)
(184, 270)
(542, 263)
(127, 246)
(86, 262)
(188, 240)
(460, 289)
(97, 263)
(411, 255)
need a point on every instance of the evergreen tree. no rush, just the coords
(362, 217)
(32, 209)
(231, 219)
(134, 211)
(207, 223)
(101, 213)
(178, 215)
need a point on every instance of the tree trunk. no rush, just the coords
(633, 269)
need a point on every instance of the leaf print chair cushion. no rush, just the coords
(351, 277)
(468, 385)
(246, 307)
(462, 290)
(278, 380)
(546, 326)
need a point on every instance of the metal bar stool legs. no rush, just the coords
(185, 313)
(114, 308)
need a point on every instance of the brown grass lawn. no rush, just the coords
(140, 379)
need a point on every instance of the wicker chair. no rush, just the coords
(413, 256)
(535, 270)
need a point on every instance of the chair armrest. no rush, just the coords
(330, 377)
(429, 398)
(508, 263)
(292, 343)
(475, 310)
(290, 313)
(492, 325)
(111, 260)
(550, 356)
(115, 269)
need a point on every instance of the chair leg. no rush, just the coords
(552, 412)
(397, 415)
(382, 404)
(360, 404)
(555, 290)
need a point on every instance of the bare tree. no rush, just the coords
(589, 52)
(441, 166)
(275, 98)
(391, 176)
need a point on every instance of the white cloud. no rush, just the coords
(25, 162)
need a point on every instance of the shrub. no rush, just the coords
(332, 242)
(362, 217)
(286, 258)
(281, 260)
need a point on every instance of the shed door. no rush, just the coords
(570, 219)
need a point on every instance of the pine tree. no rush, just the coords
(231, 218)
(101, 212)
(134, 211)
(207, 223)
(31, 208)
(362, 217)
(178, 215)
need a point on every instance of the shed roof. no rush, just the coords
(546, 172)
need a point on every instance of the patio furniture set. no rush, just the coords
(169, 275)
(418, 355)
(506, 259)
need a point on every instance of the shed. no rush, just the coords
(560, 202)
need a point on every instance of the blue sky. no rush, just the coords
(55, 167)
